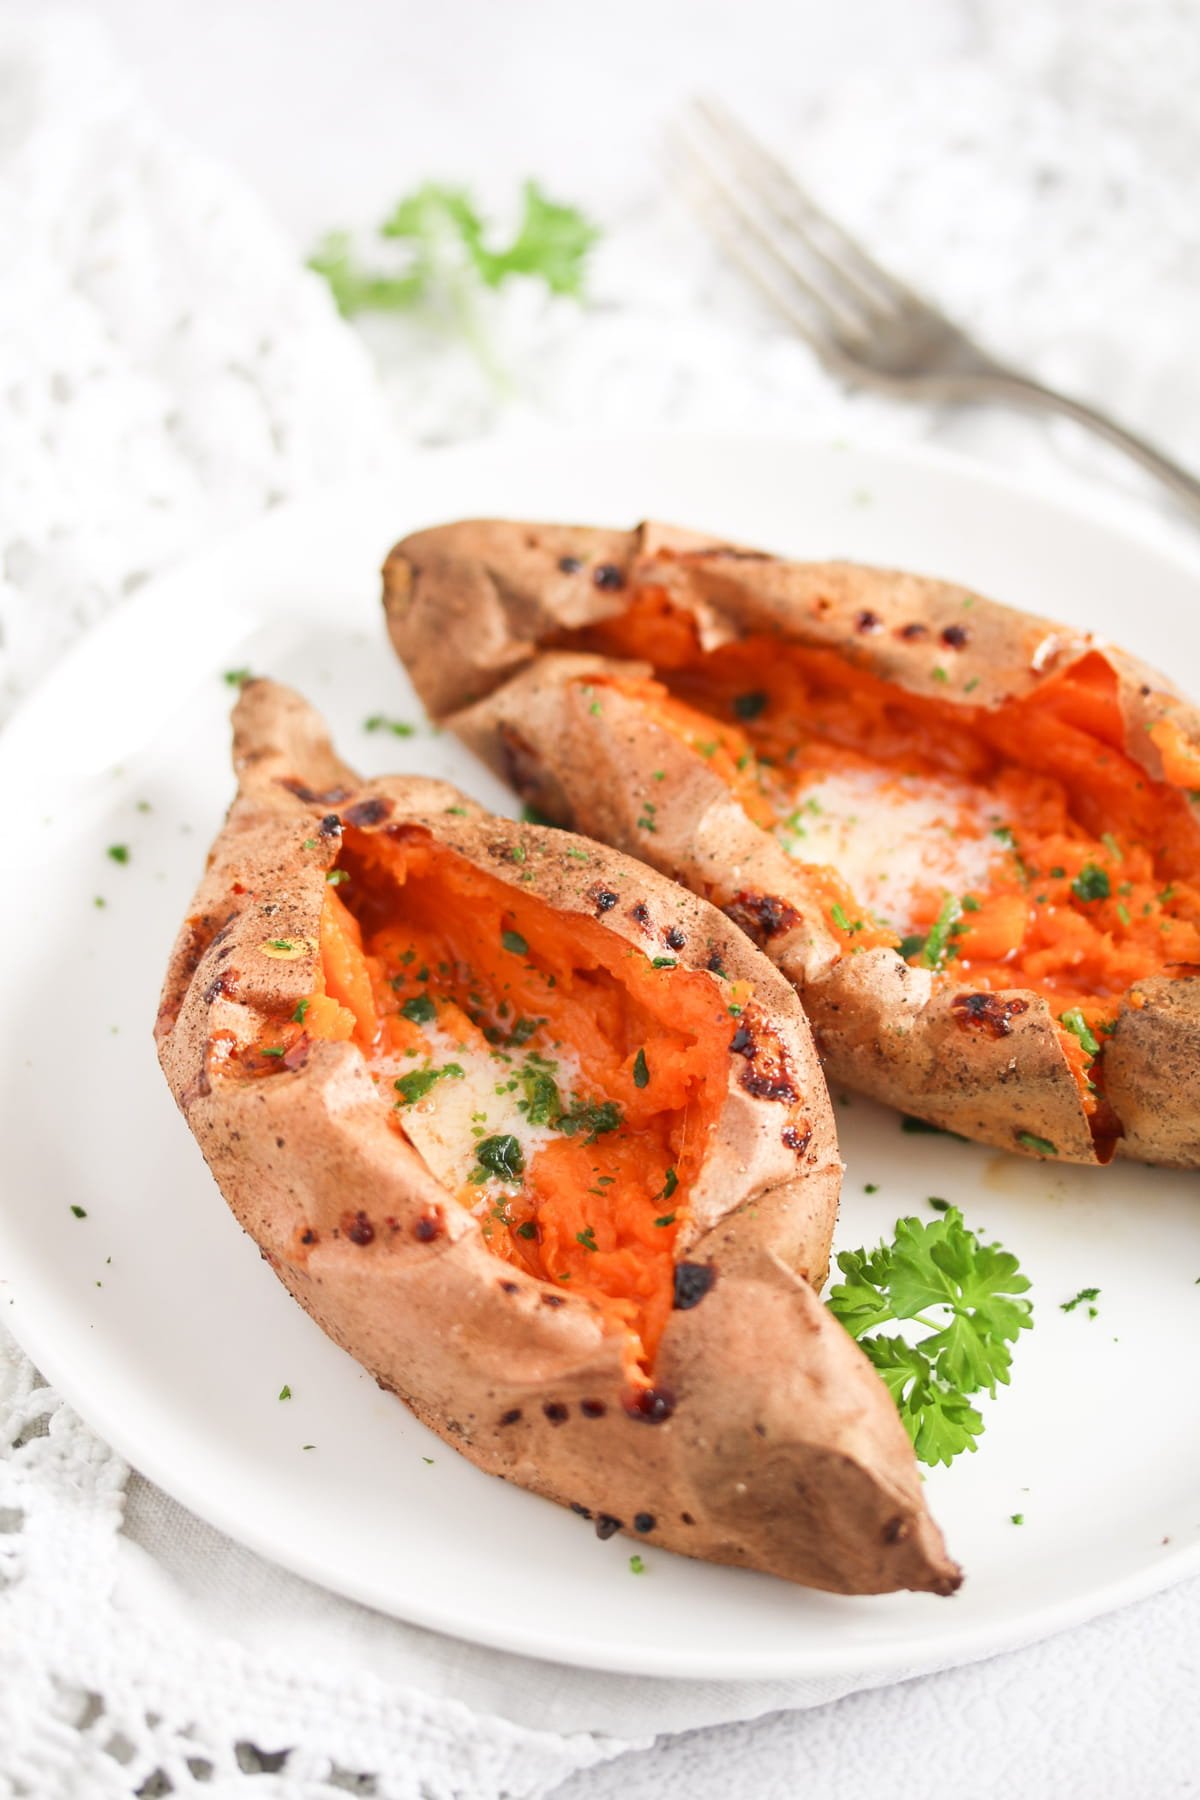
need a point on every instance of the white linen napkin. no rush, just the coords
(169, 371)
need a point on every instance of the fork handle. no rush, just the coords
(1020, 390)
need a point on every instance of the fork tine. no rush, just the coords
(802, 305)
(841, 319)
(793, 205)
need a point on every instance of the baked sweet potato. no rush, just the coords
(968, 836)
(542, 1141)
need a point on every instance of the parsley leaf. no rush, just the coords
(441, 254)
(594, 1118)
(417, 1083)
(980, 1289)
(937, 948)
(1091, 883)
(501, 1156)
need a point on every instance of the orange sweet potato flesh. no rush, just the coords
(669, 693)
(685, 1383)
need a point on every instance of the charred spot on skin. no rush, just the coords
(428, 1228)
(987, 1012)
(651, 1405)
(585, 1512)
(220, 987)
(608, 578)
(867, 621)
(742, 1042)
(796, 1140)
(604, 899)
(365, 813)
(911, 632)
(308, 1236)
(607, 1526)
(553, 1300)
(296, 1055)
(315, 796)
(896, 1530)
(592, 1409)
(511, 1416)
(644, 1522)
(714, 965)
(766, 1084)
(640, 914)
(761, 916)
(675, 939)
(556, 1412)
(510, 1287)
(359, 1229)
(569, 565)
(692, 1282)
(955, 637)
(686, 1519)
(330, 826)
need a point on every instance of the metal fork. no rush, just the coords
(865, 325)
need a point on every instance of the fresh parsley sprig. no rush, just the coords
(443, 255)
(979, 1290)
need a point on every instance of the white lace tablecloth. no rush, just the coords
(167, 371)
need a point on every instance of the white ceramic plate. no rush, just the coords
(154, 1314)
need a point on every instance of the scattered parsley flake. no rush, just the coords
(514, 942)
(301, 1009)
(636, 1564)
(501, 1156)
(527, 1230)
(1042, 1146)
(587, 1238)
(641, 1073)
(80, 1212)
(335, 877)
(285, 1392)
(666, 1219)
(870, 1187)
(420, 1010)
(1077, 1025)
(940, 674)
(309, 844)
(937, 949)
(750, 706)
(1018, 1518)
(237, 677)
(663, 962)
(417, 1083)
(1084, 1296)
(937, 1203)
(398, 727)
(1091, 883)
(118, 853)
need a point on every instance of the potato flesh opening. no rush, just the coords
(1054, 862)
(595, 1080)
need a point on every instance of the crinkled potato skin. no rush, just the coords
(472, 607)
(782, 1451)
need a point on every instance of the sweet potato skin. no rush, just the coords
(779, 1450)
(880, 1026)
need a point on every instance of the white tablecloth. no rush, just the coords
(167, 372)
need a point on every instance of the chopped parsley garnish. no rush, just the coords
(593, 1118)
(1017, 1519)
(838, 914)
(301, 1009)
(636, 1564)
(237, 677)
(937, 948)
(978, 1289)
(276, 1050)
(1085, 1295)
(500, 1156)
(285, 1392)
(579, 855)
(1077, 1025)
(911, 946)
(1111, 845)
(939, 674)
(1123, 913)
(669, 1185)
(118, 853)
(532, 815)
(523, 1029)
(1040, 1145)
(335, 877)
(542, 1104)
(527, 1230)
(663, 962)
(937, 1203)
(646, 821)
(309, 844)
(969, 903)
(750, 706)
(80, 1212)
(417, 1083)
(420, 1010)
(641, 1072)
(667, 1219)
(587, 1238)
(1005, 835)
(517, 853)
(514, 942)
(1091, 883)
(398, 727)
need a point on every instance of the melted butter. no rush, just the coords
(894, 838)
